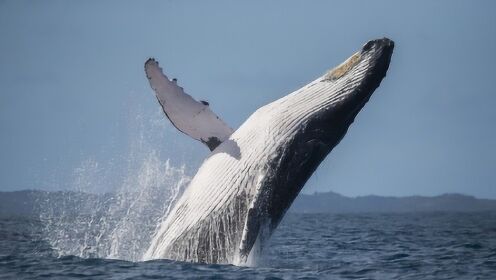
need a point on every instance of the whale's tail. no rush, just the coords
(193, 118)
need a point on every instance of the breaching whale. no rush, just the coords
(252, 175)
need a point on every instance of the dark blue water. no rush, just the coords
(306, 246)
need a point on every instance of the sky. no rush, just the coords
(76, 108)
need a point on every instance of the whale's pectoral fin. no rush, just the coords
(250, 233)
(189, 116)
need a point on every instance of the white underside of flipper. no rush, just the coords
(191, 117)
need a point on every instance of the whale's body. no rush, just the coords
(242, 190)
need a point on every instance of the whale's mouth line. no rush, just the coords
(381, 51)
(382, 58)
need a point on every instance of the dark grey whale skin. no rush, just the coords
(297, 161)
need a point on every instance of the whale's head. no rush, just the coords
(351, 83)
(317, 117)
(324, 109)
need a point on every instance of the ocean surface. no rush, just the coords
(305, 246)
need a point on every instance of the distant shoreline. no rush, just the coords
(331, 202)
(26, 202)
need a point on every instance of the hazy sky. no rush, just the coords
(74, 101)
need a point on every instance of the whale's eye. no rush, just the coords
(340, 70)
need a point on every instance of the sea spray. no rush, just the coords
(116, 225)
(105, 215)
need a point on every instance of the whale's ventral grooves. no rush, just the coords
(244, 187)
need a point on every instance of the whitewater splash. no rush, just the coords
(117, 224)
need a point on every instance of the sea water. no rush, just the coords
(305, 246)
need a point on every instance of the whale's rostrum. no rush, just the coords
(244, 187)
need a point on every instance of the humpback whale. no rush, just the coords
(243, 188)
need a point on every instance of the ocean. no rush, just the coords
(305, 246)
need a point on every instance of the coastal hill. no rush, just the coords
(331, 202)
(26, 203)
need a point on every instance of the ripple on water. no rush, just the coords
(353, 246)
